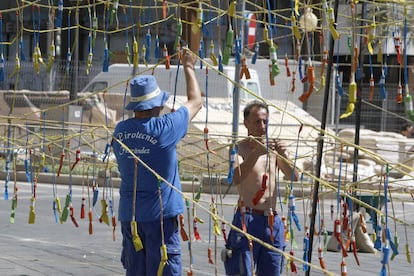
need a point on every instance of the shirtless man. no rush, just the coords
(254, 177)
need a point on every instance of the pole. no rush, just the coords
(236, 91)
(358, 103)
(75, 86)
(320, 141)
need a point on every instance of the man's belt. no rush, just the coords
(257, 211)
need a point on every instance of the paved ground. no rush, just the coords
(50, 248)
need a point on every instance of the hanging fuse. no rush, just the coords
(379, 53)
(77, 159)
(199, 20)
(144, 54)
(266, 36)
(285, 227)
(178, 35)
(136, 240)
(293, 83)
(288, 74)
(271, 78)
(135, 58)
(321, 259)
(293, 267)
(371, 37)
(16, 66)
(206, 138)
(62, 156)
(351, 100)
(273, 58)
(183, 234)
(65, 212)
(90, 58)
(1, 67)
(201, 53)
(164, 9)
(393, 246)
(148, 46)
(399, 94)
(82, 211)
(32, 213)
(238, 49)
(232, 159)
(35, 62)
(164, 259)
(220, 62)
(256, 53)
(295, 28)
(303, 78)
(397, 243)
(371, 88)
(354, 249)
(228, 46)
(271, 222)
(223, 231)
(105, 66)
(113, 227)
(244, 71)
(72, 216)
(397, 46)
(212, 55)
(338, 236)
(59, 17)
(58, 205)
(344, 271)
(210, 255)
(90, 215)
(311, 79)
(292, 212)
(39, 55)
(332, 29)
(305, 251)
(114, 11)
(408, 253)
(408, 105)
(383, 90)
(376, 236)
(195, 229)
(261, 191)
(13, 209)
(157, 48)
(104, 212)
(68, 60)
(385, 258)
(232, 8)
(166, 57)
(21, 47)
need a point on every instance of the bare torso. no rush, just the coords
(252, 180)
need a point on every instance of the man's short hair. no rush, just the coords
(252, 104)
(405, 127)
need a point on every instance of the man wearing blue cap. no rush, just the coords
(153, 137)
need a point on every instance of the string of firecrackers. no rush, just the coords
(173, 5)
(218, 217)
(328, 185)
(354, 64)
(116, 30)
(397, 165)
(289, 257)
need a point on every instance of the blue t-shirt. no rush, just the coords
(154, 141)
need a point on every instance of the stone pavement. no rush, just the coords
(50, 248)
